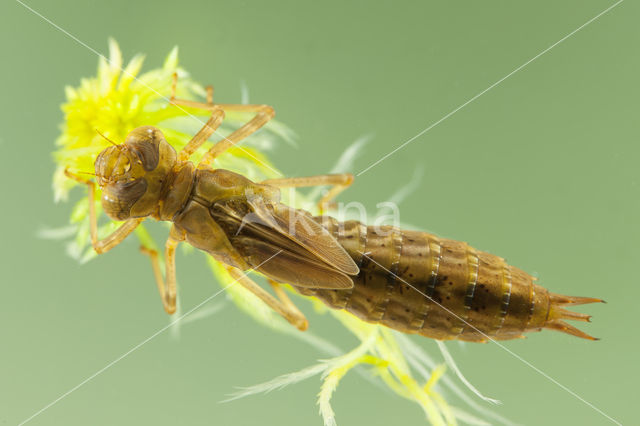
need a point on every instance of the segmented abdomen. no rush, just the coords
(415, 282)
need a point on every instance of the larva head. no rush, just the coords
(131, 174)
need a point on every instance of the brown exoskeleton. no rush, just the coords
(407, 280)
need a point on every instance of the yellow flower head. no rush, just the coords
(117, 101)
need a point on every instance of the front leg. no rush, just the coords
(209, 128)
(117, 236)
(167, 285)
(263, 113)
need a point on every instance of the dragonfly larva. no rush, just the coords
(411, 281)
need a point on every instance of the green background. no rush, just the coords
(542, 169)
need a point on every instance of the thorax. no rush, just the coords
(190, 197)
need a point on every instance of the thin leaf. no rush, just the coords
(279, 382)
(452, 364)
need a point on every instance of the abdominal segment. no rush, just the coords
(415, 282)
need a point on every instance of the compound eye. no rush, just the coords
(118, 198)
(144, 142)
(147, 152)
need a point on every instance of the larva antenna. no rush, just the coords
(107, 139)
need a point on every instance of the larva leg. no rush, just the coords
(167, 285)
(283, 307)
(210, 94)
(282, 295)
(203, 134)
(117, 236)
(209, 128)
(339, 183)
(263, 113)
(174, 84)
